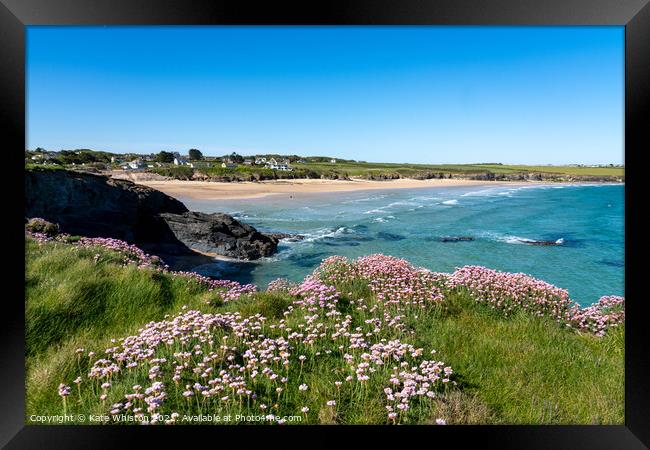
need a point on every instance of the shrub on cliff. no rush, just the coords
(38, 225)
(177, 172)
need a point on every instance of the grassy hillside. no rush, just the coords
(353, 344)
(360, 169)
(563, 170)
(346, 169)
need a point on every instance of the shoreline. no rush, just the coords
(210, 190)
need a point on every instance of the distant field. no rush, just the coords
(356, 169)
(568, 170)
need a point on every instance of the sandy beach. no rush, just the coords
(207, 190)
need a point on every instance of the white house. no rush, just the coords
(275, 165)
(136, 164)
(228, 165)
(260, 161)
(179, 162)
(333, 161)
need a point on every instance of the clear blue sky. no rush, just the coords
(531, 95)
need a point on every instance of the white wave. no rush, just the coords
(368, 199)
(375, 211)
(383, 219)
(515, 240)
(450, 202)
(382, 209)
(481, 193)
(424, 198)
(323, 233)
(401, 203)
(511, 239)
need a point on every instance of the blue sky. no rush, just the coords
(423, 94)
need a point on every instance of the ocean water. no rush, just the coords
(408, 223)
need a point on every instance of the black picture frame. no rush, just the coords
(15, 15)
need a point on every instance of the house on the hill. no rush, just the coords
(260, 161)
(228, 165)
(178, 161)
(136, 164)
(333, 161)
(277, 165)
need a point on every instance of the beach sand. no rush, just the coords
(207, 190)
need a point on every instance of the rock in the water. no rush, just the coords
(455, 238)
(530, 242)
(288, 236)
(220, 234)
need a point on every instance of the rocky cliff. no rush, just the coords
(93, 205)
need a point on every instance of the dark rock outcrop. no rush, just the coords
(455, 238)
(97, 206)
(531, 242)
(220, 234)
(290, 237)
(94, 205)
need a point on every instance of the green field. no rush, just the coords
(566, 170)
(516, 370)
(345, 169)
(359, 169)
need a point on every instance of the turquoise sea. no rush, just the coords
(408, 223)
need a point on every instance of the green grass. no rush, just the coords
(564, 170)
(520, 370)
(360, 169)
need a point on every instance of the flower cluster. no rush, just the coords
(412, 383)
(392, 280)
(608, 313)
(198, 361)
(511, 292)
(226, 290)
(131, 253)
(313, 295)
(280, 285)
